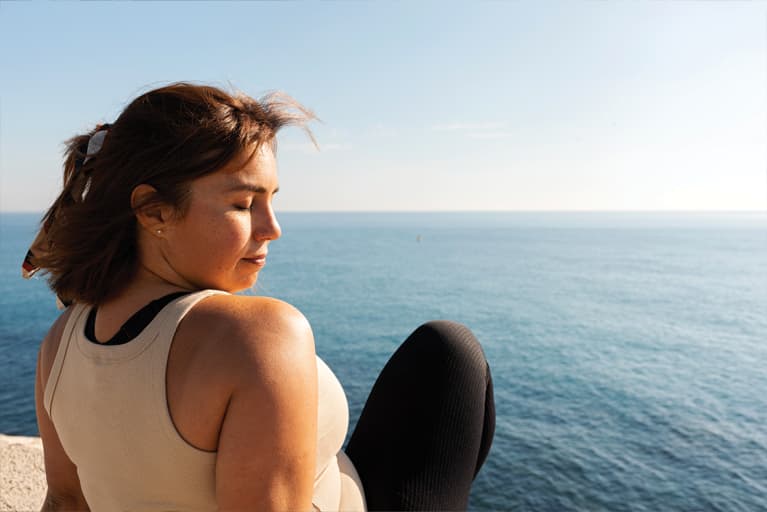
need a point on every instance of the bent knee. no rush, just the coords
(448, 340)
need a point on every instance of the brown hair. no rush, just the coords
(164, 138)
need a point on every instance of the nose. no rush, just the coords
(265, 225)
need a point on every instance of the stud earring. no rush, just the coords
(158, 231)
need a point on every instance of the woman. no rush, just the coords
(157, 389)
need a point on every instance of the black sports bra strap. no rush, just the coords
(135, 324)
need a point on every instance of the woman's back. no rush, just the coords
(108, 406)
(134, 448)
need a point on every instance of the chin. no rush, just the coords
(245, 286)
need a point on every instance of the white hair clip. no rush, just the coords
(94, 144)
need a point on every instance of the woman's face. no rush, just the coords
(221, 241)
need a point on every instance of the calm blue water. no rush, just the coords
(628, 350)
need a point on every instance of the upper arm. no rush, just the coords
(267, 446)
(61, 474)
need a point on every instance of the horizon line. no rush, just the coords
(41, 212)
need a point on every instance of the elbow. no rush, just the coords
(60, 502)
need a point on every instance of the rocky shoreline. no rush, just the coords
(22, 473)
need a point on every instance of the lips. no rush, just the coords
(258, 259)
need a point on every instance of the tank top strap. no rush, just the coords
(175, 311)
(168, 321)
(163, 328)
(53, 377)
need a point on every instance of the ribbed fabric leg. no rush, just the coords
(428, 423)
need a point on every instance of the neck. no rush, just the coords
(145, 286)
(154, 270)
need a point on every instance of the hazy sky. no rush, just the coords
(425, 106)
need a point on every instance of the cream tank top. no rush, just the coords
(108, 405)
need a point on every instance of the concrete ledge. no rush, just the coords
(22, 473)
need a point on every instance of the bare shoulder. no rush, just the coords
(247, 319)
(245, 331)
(267, 447)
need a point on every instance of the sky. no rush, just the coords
(516, 106)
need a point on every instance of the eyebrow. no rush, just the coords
(250, 188)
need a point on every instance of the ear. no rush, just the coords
(154, 216)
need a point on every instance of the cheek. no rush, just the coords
(229, 237)
(211, 239)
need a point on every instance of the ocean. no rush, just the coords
(628, 350)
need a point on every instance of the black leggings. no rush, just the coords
(428, 423)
